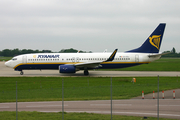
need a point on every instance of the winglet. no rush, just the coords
(111, 58)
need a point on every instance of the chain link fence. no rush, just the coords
(18, 98)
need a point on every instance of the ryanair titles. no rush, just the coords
(48, 56)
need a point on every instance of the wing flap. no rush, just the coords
(88, 64)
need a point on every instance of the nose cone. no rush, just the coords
(8, 63)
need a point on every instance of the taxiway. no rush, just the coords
(9, 72)
(167, 108)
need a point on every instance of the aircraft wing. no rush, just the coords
(95, 64)
(88, 64)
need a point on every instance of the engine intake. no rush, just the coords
(67, 69)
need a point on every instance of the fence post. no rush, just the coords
(16, 103)
(177, 78)
(158, 99)
(88, 89)
(62, 99)
(111, 98)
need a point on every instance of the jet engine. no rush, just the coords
(67, 69)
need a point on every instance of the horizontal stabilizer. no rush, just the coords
(155, 55)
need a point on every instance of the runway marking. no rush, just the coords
(169, 105)
(6, 103)
(33, 102)
(110, 104)
(46, 106)
(5, 107)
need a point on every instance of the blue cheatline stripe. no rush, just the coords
(105, 65)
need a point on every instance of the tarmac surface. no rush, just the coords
(9, 72)
(167, 108)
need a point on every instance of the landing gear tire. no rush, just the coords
(21, 73)
(86, 72)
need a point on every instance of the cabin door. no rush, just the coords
(24, 59)
(136, 58)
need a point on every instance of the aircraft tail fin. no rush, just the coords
(153, 42)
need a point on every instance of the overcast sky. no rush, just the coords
(88, 25)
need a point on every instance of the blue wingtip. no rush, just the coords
(111, 58)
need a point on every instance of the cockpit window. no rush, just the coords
(14, 59)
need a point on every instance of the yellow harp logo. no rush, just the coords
(155, 40)
(34, 56)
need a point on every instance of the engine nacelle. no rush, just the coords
(67, 69)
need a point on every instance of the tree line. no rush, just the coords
(15, 52)
(173, 53)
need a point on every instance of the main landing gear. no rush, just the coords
(21, 73)
(86, 72)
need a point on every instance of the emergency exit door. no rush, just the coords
(137, 58)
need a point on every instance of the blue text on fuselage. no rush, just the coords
(48, 56)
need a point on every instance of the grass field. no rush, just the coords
(79, 88)
(5, 58)
(67, 116)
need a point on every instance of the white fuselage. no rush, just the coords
(54, 60)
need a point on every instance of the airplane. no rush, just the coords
(73, 62)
